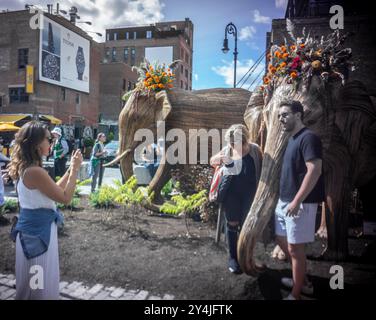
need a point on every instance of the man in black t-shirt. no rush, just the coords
(301, 189)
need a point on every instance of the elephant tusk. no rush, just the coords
(118, 158)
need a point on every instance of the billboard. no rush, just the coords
(159, 54)
(64, 57)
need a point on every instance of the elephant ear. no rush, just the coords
(163, 106)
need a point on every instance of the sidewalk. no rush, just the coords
(110, 174)
(77, 291)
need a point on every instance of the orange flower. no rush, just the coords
(168, 69)
(147, 74)
(161, 85)
(170, 85)
(273, 70)
(266, 80)
(169, 74)
(293, 75)
(282, 64)
(302, 46)
(270, 66)
(293, 48)
(156, 79)
(164, 74)
(277, 54)
(285, 55)
(283, 49)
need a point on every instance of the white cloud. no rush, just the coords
(195, 76)
(247, 32)
(227, 72)
(281, 4)
(258, 18)
(109, 13)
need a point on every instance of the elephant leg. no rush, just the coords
(160, 178)
(338, 188)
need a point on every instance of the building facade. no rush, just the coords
(20, 47)
(168, 40)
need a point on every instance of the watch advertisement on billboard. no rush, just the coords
(64, 57)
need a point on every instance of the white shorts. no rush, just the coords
(298, 229)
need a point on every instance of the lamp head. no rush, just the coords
(225, 48)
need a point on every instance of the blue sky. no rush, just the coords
(211, 67)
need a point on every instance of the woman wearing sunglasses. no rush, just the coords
(37, 257)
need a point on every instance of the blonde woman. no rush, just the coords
(243, 160)
(37, 257)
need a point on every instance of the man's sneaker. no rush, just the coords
(234, 267)
(289, 283)
(289, 297)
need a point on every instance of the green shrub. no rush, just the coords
(10, 205)
(89, 142)
(110, 137)
(74, 204)
(186, 204)
(104, 197)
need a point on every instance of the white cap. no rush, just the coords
(57, 131)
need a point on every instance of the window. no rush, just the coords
(124, 84)
(126, 55)
(63, 94)
(108, 36)
(129, 86)
(133, 56)
(23, 57)
(77, 98)
(181, 84)
(115, 36)
(148, 34)
(127, 35)
(18, 95)
(186, 86)
(107, 52)
(113, 54)
(134, 35)
(186, 73)
(181, 69)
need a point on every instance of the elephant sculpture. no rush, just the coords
(342, 114)
(181, 110)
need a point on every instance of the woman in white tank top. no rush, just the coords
(37, 194)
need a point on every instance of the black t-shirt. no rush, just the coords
(302, 147)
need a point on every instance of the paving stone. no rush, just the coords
(117, 293)
(141, 295)
(4, 281)
(109, 288)
(62, 285)
(94, 290)
(168, 297)
(127, 296)
(3, 288)
(79, 291)
(12, 283)
(7, 294)
(10, 276)
(73, 286)
(154, 298)
(101, 295)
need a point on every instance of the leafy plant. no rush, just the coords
(110, 137)
(167, 188)
(104, 197)
(10, 205)
(186, 204)
(74, 204)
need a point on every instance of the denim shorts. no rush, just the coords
(298, 229)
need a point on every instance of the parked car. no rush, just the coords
(112, 149)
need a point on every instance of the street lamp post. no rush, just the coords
(231, 29)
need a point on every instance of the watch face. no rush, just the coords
(80, 62)
(50, 66)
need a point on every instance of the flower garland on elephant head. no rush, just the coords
(305, 58)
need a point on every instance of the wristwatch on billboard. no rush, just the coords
(50, 67)
(80, 62)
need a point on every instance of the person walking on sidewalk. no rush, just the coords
(96, 161)
(301, 190)
(60, 152)
(35, 234)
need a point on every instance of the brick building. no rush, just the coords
(314, 15)
(173, 39)
(20, 46)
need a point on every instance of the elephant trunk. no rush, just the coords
(266, 196)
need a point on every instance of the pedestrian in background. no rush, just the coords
(60, 152)
(96, 161)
